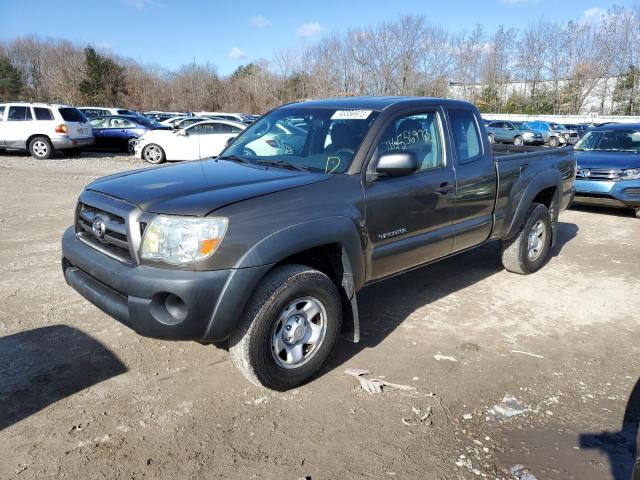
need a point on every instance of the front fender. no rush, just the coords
(306, 235)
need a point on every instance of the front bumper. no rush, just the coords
(533, 140)
(622, 193)
(160, 302)
(63, 142)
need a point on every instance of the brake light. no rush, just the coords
(272, 143)
(62, 129)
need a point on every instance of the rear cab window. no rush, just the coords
(70, 114)
(466, 136)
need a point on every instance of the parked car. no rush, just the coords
(200, 140)
(609, 167)
(42, 128)
(162, 116)
(570, 136)
(270, 253)
(513, 132)
(121, 132)
(552, 138)
(580, 128)
(95, 112)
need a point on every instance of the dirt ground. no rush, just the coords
(82, 396)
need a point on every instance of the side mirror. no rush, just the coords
(229, 141)
(182, 133)
(397, 163)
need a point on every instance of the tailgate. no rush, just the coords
(78, 130)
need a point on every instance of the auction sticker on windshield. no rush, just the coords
(351, 114)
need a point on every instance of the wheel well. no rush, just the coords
(328, 260)
(546, 196)
(37, 135)
(325, 258)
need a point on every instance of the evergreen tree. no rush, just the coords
(11, 84)
(104, 82)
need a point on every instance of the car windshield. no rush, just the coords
(316, 139)
(610, 141)
(147, 122)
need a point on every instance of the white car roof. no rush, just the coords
(37, 104)
(227, 122)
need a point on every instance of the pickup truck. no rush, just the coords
(266, 252)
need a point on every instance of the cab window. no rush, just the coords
(466, 137)
(419, 133)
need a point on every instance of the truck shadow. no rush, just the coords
(385, 305)
(620, 446)
(44, 365)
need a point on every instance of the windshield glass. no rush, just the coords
(610, 140)
(317, 139)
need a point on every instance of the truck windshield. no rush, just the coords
(315, 139)
(610, 141)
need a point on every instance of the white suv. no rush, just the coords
(43, 128)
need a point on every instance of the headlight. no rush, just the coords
(528, 134)
(630, 174)
(181, 240)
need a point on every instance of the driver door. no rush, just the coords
(409, 218)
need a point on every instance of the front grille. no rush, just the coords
(599, 174)
(111, 240)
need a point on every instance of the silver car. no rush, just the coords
(518, 133)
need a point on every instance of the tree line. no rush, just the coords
(559, 66)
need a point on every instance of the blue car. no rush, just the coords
(608, 171)
(121, 132)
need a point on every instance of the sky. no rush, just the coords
(170, 33)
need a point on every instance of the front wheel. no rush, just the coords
(528, 250)
(153, 153)
(131, 145)
(289, 328)
(518, 141)
(554, 142)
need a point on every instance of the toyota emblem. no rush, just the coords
(99, 228)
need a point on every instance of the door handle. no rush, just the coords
(444, 188)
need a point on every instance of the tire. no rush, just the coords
(131, 145)
(153, 153)
(40, 148)
(520, 254)
(259, 348)
(492, 139)
(518, 141)
(554, 142)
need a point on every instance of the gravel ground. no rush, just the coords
(82, 396)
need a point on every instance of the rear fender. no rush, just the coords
(542, 181)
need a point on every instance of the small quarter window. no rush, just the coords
(466, 136)
(42, 113)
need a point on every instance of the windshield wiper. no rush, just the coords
(284, 164)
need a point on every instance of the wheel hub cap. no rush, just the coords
(536, 240)
(298, 332)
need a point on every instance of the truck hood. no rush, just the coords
(607, 160)
(199, 187)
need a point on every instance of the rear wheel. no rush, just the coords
(518, 141)
(40, 148)
(153, 153)
(289, 328)
(528, 250)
